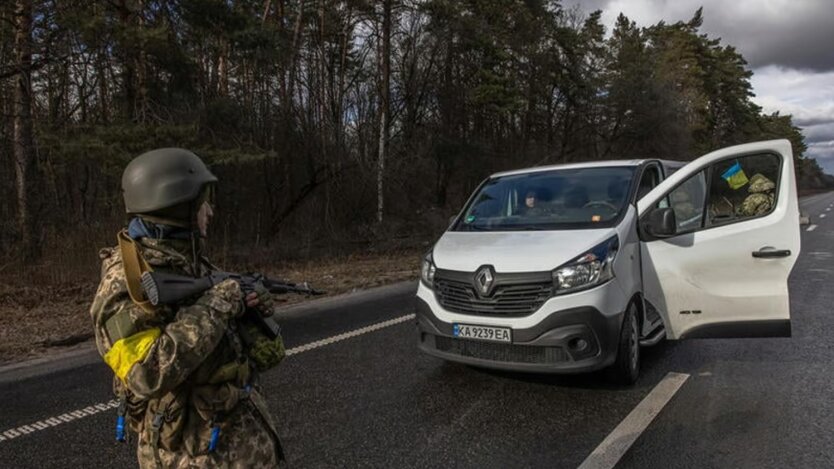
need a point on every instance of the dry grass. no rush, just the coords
(39, 318)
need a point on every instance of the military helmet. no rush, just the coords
(760, 183)
(163, 178)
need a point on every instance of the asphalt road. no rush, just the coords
(372, 400)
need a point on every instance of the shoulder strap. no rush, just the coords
(135, 265)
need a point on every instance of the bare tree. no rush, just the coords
(385, 104)
(23, 135)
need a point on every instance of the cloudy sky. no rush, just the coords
(789, 45)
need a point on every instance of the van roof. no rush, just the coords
(669, 164)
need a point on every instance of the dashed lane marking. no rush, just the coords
(811, 228)
(615, 445)
(58, 420)
(822, 215)
(74, 415)
(349, 335)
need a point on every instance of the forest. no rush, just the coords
(339, 126)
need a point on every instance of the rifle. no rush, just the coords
(167, 289)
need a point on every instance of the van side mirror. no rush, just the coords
(661, 223)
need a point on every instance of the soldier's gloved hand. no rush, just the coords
(261, 299)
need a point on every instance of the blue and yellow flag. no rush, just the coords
(735, 176)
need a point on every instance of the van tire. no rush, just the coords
(626, 367)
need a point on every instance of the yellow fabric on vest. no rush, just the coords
(130, 350)
(134, 265)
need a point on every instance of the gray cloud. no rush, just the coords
(792, 33)
(809, 97)
(823, 152)
(819, 134)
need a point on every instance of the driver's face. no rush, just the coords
(530, 201)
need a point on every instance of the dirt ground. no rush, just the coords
(38, 319)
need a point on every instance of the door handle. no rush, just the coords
(770, 253)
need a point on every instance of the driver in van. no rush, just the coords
(532, 207)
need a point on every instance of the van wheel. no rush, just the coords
(626, 367)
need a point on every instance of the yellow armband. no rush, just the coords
(128, 351)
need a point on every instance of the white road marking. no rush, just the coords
(52, 421)
(348, 335)
(615, 445)
(828, 209)
(100, 407)
(822, 215)
(811, 228)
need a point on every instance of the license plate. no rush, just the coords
(495, 334)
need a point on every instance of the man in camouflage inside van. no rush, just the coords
(183, 378)
(761, 197)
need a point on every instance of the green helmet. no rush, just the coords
(163, 178)
(760, 183)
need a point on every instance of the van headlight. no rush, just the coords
(427, 270)
(588, 270)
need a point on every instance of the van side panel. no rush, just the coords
(627, 267)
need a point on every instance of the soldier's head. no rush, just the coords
(170, 186)
(760, 183)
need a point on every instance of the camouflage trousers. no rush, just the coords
(245, 442)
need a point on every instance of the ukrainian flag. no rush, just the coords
(735, 176)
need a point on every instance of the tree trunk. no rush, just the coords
(23, 134)
(141, 67)
(128, 63)
(101, 72)
(223, 69)
(385, 96)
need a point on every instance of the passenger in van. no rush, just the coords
(532, 206)
(761, 196)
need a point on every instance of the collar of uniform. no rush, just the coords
(169, 253)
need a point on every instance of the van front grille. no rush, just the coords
(506, 300)
(509, 353)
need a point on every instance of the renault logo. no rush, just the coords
(484, 279)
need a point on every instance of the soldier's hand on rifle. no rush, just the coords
(260, 299)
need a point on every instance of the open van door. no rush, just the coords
(718, 240)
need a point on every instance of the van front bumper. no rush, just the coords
(554, 345)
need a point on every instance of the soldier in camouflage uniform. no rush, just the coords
(185, 383)
(761, 197)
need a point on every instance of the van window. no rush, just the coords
(687, 200)
(728, 191)
(650, 179)
(742, 188)
(550, 200)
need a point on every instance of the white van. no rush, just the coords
(571, 268)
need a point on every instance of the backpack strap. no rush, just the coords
(159, 419)
(134, 265)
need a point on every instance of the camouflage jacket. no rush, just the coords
(183, 367)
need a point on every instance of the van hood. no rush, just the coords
(514, 251)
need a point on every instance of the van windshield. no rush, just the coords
(549, 200)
